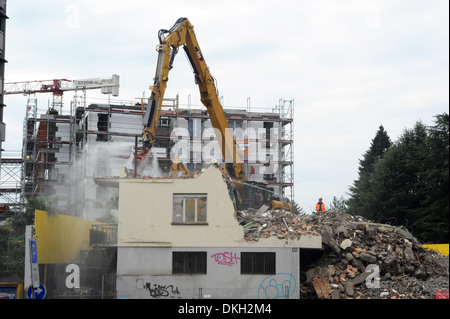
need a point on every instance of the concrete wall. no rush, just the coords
(147, 273)
(148, 203)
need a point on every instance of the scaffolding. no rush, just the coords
(50, 139)
(285, 109)
(46, 149)
(10, 193)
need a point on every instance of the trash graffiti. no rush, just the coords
(277, 286)
(226, 258)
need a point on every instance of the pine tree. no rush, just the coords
(432, 219)
(395, 189)
(408, 185)
(338, 204)
(360, 192)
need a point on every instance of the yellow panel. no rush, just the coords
(60, 237)
(442, 248)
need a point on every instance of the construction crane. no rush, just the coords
(58, 86)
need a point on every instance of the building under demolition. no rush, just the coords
(64, 155)
(83, 161)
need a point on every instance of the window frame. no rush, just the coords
(193, 263)
(258, 263)
(184, 213)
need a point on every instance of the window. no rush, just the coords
(189, 209)
(189, 262)
(257, 263)
(102, 127)
(164, 122)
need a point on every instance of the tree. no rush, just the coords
(339, 204)
(12, 235)
(360, 192)
(395, 179)
(432, 219)
(297, 209)
(26, 216)
(409, 186)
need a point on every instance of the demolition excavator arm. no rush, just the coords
(182, 34)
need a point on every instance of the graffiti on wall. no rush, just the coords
(158, 291)
(282, 285)
(226, 258)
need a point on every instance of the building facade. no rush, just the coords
(179, 238)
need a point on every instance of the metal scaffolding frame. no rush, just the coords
(285, 109)
(10, 192)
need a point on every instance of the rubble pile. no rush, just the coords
(360, 259)
(369, 260)
(263, 223)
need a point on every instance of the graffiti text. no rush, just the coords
(226, 258)
(158, 291)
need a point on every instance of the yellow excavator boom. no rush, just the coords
(182, 34)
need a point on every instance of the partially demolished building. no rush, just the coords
(190, 244)
(187, 234)
(65, 154)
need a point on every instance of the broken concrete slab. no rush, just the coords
(262, 210)
(346, 243)
(349, 288)
(335, 294)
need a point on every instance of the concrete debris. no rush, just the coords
(264, 223)
(365, 260)
(360, 259)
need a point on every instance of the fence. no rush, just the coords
(171, 292)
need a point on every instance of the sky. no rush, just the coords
(349, 66)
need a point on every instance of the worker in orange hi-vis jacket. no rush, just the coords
(320, 206)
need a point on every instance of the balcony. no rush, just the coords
(103, 236)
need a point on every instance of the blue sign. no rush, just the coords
(33, 251)
(39, 292)
(34, 263)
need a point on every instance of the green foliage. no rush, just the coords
(12, 235)
(409, 185)
(361, 195)
(338, 204)
(26, 216)
(297, 209)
